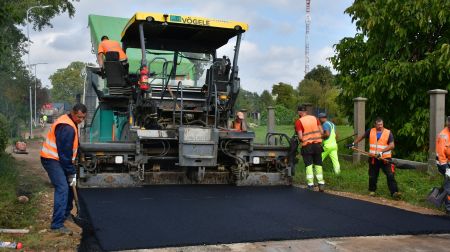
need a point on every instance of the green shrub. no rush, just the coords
(283, 116)
(4, 133)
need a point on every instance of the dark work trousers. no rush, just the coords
(374, 170)
(446, 187)
(63, 196)
(312, 154)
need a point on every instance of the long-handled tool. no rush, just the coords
(343, 139)
(390, 161)
(75, 197)
(77, 218)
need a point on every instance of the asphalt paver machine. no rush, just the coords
(164, 118)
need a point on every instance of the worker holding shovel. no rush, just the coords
(58, 154)
(443, 161)
(381, 142)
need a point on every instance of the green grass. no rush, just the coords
(14, 181)
(14, 214)
(260, 132)
(413, 184)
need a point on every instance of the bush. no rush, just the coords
(4, 133)
(283, 116)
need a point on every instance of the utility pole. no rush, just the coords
(308, 22)
(28, 54)
(35, 88)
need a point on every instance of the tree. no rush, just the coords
(286, 95)
(322, 75)
(310, 91)
(67, 83)
(318, 88)
(266, 100)
(393, 60)
(15, 77)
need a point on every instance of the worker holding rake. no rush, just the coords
(381, 142)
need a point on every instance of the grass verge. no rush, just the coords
(13, 214)
(413, 184)
(260, 132)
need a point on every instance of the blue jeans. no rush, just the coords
(63, 197)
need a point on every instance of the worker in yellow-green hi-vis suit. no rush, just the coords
(330, 147)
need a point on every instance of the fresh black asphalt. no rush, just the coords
(164, 216)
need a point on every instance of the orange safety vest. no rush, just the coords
(311, 132)
(111, 46)
(381, 144)
(237, 125)
(443, 147)
(49, 148)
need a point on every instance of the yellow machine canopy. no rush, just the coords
(179, 33)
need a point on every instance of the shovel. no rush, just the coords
(78, 220)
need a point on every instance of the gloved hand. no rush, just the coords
(447, 172)
(352, 145)
(379, 155)
(72, 179)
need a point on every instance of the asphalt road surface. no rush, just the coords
(168, 216)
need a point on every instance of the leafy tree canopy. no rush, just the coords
(321, 74)
(15, 77)
(286, 95)
(67, 83)
(401, 51)
(318, 89)
(266, 99)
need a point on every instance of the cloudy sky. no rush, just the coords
(272, 49)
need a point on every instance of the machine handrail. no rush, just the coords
(272, 134)
(175, 99)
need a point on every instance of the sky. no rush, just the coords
(272, 50)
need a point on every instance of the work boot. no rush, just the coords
(62, 230)
(310, 187)
(397, 196)
(70, 218)
(372, 193)
(321, 187)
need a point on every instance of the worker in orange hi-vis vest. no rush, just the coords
(58, 154)
(309, 132)
(107, 45)
(381, 142)
(443, 160)
(239, 123)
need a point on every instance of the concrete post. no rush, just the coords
(359, 125)
(437, 123)
(271, 122)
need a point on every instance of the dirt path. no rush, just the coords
(30, 165)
